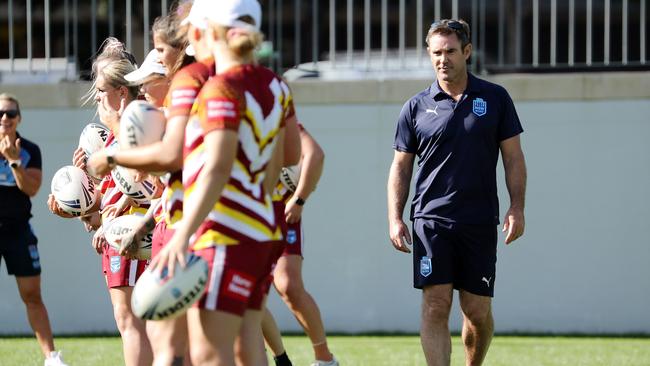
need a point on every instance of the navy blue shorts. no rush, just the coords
(18, 248)
(463, 255)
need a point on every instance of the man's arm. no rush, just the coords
(514, 165)
(399, 180)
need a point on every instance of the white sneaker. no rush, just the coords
(334, 362)
(55, 359)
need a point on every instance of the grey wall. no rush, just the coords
(582, 265)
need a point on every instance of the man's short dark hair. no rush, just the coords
(450, 26)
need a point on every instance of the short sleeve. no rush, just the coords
(509, 124)
(184, 90)
(287, 103)
(405, 137)
(220, 106)
(35, 160)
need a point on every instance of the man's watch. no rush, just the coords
(15, 164)
(110, 159)
(300, 201)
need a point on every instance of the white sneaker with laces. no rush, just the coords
(55, 359)
(334, 362)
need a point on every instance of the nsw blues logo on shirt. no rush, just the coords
(479, 107)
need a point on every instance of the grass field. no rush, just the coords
(376, 350)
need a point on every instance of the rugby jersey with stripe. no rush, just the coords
(181, 96)
(254, 102)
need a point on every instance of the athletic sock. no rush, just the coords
(282, 360)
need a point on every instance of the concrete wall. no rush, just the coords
(582, 265)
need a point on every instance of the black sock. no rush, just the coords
(282, 360)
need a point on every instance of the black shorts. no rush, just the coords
(463, 255)
(18, 248)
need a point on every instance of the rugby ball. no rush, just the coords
(93, 138)
(289, 177)
(121, 226)
(141, 124)
(140, 192)
(158, 296)
(74, 190)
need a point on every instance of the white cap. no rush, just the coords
(151, 65)
(224, 12)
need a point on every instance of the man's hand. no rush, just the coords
(513, 224)
(400, 236)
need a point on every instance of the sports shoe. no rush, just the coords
(55, 359)
(334, 362)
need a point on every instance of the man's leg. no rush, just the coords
(478, 326)
(434, 328)
(30, 293)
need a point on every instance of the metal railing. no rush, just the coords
(349, 37)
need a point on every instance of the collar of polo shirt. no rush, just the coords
(473, 86)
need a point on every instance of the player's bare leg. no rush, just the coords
(30, 292)
(272, 334)
(135, 344)
(478, 326)
(168, 340)
(249, 346)
(288, 282)
(212, 337)
(434, 327)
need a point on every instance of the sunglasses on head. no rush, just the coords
(12, 113)
(453, 24)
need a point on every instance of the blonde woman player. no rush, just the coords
(112, 93)
(234, 148)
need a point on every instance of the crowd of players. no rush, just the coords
(231, 127)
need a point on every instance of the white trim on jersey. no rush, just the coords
(133, 271)
(218, 263)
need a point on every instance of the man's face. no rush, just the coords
(447, 56)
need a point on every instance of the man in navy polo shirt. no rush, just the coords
(456, 127)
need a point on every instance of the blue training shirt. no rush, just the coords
(14, 204)
(457, 145)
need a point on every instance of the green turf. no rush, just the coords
(376, 350)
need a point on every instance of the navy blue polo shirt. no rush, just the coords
(457, 145)
(14, 204)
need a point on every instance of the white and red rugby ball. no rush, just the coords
(157, 297)
(121, 226)
(289, 177)
(141, 124)
(74, 190)
(141, 192)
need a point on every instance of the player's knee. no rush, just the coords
(124, 319)
(436, 309)
(477, 313)
(32, 298)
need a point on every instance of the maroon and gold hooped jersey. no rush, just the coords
(255, 103)
(184, 90)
